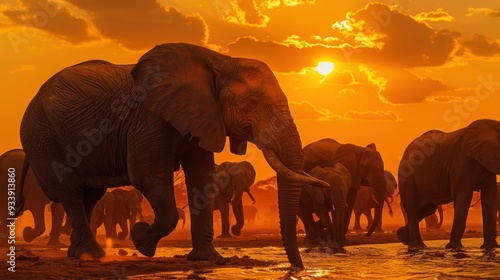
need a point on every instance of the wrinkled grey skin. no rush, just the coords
(232, 179)
(251, 213)
(439, 168)
(365, 203)
(127, 208)
(96, 125)
(322, 201)
(29, 197)
(365, 165)
(104, 213)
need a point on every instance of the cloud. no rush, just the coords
(305, 110)
(347, 92)
(372, 116)
(246, 12)
(384, 35)
(52, 18)
(486, 11)
(400, 86)
(142, 24)
(438, 15)
(23, 68)
(482, 46)
(344, 78)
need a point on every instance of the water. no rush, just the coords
(374, 261)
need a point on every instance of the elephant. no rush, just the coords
(365, 164)
(127, 208)
(104, 213)
(182, 215)
(96, 125)
(439, 168)
(250, 213)
(365, 203)
(232, 179)
(322, 201)
(28, 196)
(498, 204)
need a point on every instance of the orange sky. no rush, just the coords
(401, 67)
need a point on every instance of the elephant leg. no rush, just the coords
(198, 168)
(30, 233)
(224, 217)
(461, 210)
(357, 218)
(369, 218)
(488, 208)
(95, 222)
(57, 219)
(122, 221)
(350, 200)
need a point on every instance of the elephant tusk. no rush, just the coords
(251, 197)
(284, 171)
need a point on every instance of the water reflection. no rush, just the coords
(375, 261)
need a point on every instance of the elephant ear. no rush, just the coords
(223, 178)
(481, 141)
(249, 171)
(174, 82)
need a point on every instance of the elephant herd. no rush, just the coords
(97, 125)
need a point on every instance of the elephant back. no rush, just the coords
(319, 153)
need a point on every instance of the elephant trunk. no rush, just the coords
(288, 163)
(440, 211)
(237, 206)
(251, 197)
(380, 197)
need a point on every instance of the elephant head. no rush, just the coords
(209, 96)
(481, 141)
(234, 178)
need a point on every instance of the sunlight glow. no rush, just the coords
(324, 68)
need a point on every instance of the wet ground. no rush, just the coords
(259, 255)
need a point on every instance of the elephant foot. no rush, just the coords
(416, 246)
(403, 235)
(204, 253)
(490, 245)
(236, 230)
(144, 239)
(90, 248)
(454, 245)
(30, 233)
(54, 242)
(379, 230)
(225, 235)
(122, 235)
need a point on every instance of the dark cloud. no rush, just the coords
(400, 86)
(482, 46)
(52, 18)
(142, 24)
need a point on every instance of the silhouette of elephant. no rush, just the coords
(365, 202)
(27, 196)
(127, 208)
(104, 213)
(232, 180)
(250, 213)
(439, 168)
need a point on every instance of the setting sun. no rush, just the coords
(324, 68)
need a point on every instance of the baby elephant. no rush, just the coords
(323, 200)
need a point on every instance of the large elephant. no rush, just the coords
(233, 179)
(28, 196)
(438, 168)
(323, 201)
(365, 165)
(127, 209)
(365, 203)
(96, 125)
(104, 213)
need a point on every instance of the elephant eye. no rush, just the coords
(252, 102)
